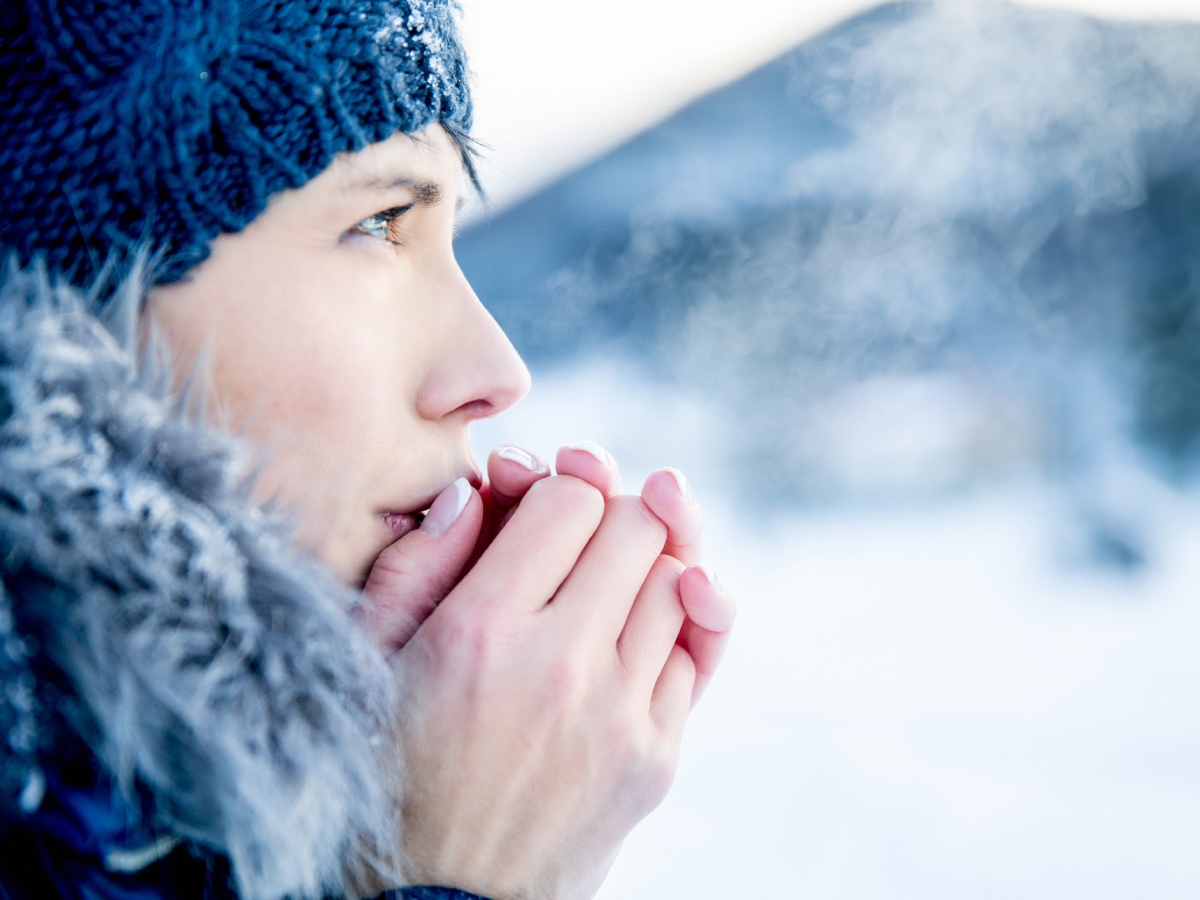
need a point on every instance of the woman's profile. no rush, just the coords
(266, 628)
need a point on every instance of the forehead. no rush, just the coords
(427, 159)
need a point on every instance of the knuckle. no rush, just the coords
(688, 529)
(393, 563)
(463, 638)
(569, 494)
(651, 763)
(666, 572)
(635, 515)
(566, 681)
(662, 587)
(638, 756)
(659, 772)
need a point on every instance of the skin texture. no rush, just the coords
(358, 362)
(412, 576)
(549, 639)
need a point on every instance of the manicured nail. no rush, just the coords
(447, 508)
(594, 449)
(520, 457)
(709, 574)
(681, 482)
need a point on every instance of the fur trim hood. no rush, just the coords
(148, 606)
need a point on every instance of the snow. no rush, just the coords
(920, 704)
(921, 700)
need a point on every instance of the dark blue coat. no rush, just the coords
(80, 845)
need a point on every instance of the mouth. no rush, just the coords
(402, 522)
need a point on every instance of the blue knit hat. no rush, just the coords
(168, 122)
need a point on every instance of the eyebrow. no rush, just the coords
(426, 193)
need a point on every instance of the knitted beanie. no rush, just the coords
(128, 123)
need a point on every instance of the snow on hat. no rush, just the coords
(168, 122)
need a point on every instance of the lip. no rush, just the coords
(402, 522)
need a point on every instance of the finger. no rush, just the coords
(533, 554)
(669, 495)
(512, 471)
(412, 576)
(705, 635)
(654, 623)
(672, 696)
(705, 648)
(708, 604)
(599, 592)
(591, 462)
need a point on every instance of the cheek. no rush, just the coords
(317, 359)
(340, 402)
(317, 366)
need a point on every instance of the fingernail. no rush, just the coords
(681, 482)
(709, 574)
(594, 449)
(447, 508)
(520, 457)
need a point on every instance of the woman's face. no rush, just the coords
(339, 335)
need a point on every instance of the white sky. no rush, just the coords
(559, 82)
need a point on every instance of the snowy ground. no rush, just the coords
(920, 701)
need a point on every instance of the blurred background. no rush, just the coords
(912, 294)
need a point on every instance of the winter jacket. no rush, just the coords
(187, 709)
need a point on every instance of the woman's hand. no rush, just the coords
(545, 699)
(710, 609)
(410, 578)
(413, 575)
(518, 788)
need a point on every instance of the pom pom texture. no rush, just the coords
(148, 603)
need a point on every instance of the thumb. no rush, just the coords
(412, 576)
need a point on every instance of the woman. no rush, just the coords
(432, 680)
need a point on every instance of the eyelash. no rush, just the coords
(379, 225)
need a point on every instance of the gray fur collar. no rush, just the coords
(201, 655)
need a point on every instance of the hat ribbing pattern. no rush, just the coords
(168, 122)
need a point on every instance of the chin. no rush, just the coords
(351, 557)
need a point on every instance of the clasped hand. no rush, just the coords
(546, 689)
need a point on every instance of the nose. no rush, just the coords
(478, 372)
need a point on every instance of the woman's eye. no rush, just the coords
(381, 224)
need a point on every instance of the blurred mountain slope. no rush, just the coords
(1004, 197)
